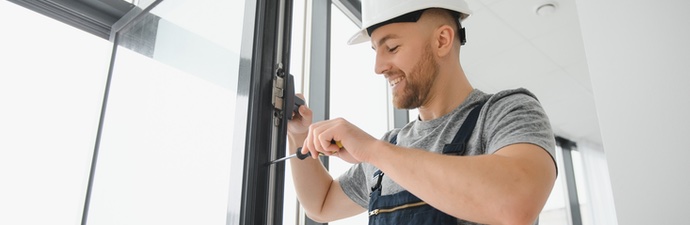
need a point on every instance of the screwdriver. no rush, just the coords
(301, 156)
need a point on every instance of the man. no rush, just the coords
(470, 158)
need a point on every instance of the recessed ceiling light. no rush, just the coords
(546, 9)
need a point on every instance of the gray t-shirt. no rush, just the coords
(507, 117)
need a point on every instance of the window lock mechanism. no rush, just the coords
(284, 100)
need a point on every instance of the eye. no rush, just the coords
(393, 49)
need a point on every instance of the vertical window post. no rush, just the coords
(263, 183)
(573, 199)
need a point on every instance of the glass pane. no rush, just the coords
(556, 210)
(167, 154)
(51, 87)
(296, 62)
(352, 67)
(582, 189)
(592, 175)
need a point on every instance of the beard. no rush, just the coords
(418, 82)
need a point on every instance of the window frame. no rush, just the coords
(262, 195)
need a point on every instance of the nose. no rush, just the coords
(382, 64)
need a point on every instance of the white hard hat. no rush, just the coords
(375, 12)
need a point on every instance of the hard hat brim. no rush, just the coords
(359, 37)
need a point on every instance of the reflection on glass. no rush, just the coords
(582, 193)
(167, 152)
(555, 211)
(51, 87)
(594, 185)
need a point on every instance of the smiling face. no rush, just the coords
(412, 57)
(404, 55)
(411, 84)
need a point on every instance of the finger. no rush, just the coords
(330, 149)
(300, 111)
(305, 113)
(295, 116)
(328, 146)
(333, 149)
(307, 144)
(322, 135)
(312, 141)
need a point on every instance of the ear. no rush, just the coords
(444, 36)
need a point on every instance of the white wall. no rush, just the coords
(638, 52)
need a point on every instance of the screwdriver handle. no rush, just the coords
(301, 156)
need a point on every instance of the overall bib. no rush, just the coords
(405, 208)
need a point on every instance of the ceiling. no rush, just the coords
(510, 46)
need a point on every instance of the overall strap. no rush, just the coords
(459, 144)
(378, 175)
(394, 140)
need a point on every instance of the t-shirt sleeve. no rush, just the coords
(354, 180)
(518, 118)
(353, 183)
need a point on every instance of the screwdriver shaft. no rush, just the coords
(303, 156)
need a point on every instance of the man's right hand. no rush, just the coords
(320, 195)
(298, 126)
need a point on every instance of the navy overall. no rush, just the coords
(405, 208)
